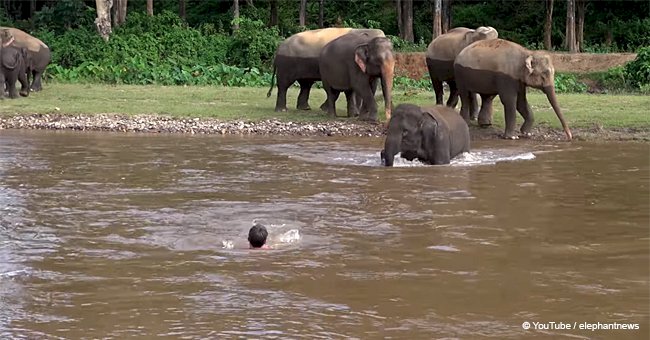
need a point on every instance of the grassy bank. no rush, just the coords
(230, 103)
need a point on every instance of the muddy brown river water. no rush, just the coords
(112, 235)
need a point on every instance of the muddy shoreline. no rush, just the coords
(166, 124)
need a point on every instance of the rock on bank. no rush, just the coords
(166, 124)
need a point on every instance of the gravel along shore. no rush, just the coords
(167, 124)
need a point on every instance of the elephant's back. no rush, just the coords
(446, 46)
(23, 39)
(309, 44)
(496, 55)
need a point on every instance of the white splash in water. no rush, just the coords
(485, 157)
(444, 248)
(290, 236)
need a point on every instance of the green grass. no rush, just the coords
(230, 103)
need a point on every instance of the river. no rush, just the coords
(109, 235)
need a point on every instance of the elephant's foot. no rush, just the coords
(323, 106)
(305, 107)
(526, 134)
(24, 93)
(510, 135)
(281, 109)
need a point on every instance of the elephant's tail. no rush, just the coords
(268, 94)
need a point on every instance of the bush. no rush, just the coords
(253, 45)
(64, 15)
(637, 72)
(566, 82)
(163, 49)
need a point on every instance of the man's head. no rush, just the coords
(257, 235)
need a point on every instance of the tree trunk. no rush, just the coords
(437, 18)
(580, 24)
(548, 25)
(120, 11)
(303, 13)
(273, 21)
(150, 7)
(181, 9)
(103, 20)
(570, 33)
(235, 15)
(407, 20)
(321, 24)
(446, 15)
(400, 23)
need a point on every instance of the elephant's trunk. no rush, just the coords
(387, 72)
(552, 98)
(392, 143)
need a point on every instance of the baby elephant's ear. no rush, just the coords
(361, 56)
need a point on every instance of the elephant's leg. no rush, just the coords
(437, 89)
(36, 83)
(281, 101)
(11, 86)
(303, 97)
(485, 115)
(452, 101)
(332, 96)
(3, 82)
(24, 84)
(364, 90)
(464, 104)
(524, 109)
(509, 101)
(353, 109)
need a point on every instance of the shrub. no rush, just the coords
(253, 45)
(637, 72)
(567, 82)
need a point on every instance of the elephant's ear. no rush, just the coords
(529, 64)
(361, 56)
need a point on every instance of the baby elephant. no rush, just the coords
(433, 135)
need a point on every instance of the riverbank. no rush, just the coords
(168, 124)
(229, 110)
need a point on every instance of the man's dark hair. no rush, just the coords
(257, 235)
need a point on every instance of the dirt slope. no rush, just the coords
(414, 66)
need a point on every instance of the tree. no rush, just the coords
(120, 11)
(320, 14)
(103, 21)
(570, 33)
(548, 24)
(400, 24)
(181, 9)
(273, 21)
(580, 24)
(150, 7)
(437, 18)
(446, 15)
(407, 20)
(235, 14)
(303, 13)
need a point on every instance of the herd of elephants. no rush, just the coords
(473, 62)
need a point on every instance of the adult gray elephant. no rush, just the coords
(433, 135)
(12, 66)
(502, 67)
(296, 59)
(352, 63)
(442, 52)
(40, 55)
